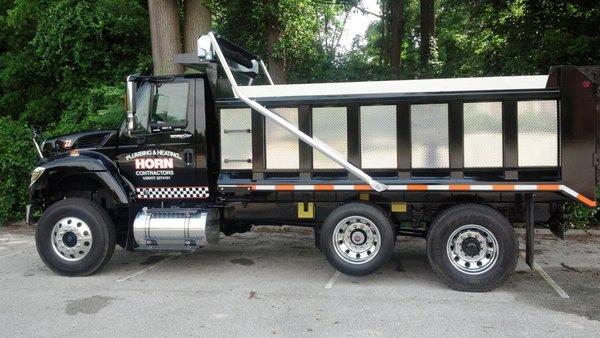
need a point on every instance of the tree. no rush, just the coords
(276, 62)
(197, 19)
(427, 33)
(396, 36)
(166, 36)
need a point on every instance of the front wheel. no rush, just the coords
(472, 247)
(357, 238)
(75, 237)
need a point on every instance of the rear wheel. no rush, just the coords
(357, 238)
(75, 237)
(472, 247)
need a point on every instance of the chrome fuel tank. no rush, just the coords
(176, 229)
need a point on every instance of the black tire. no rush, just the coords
(102, 232)
(381, 222)
(494, 273)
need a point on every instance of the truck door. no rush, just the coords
(159, 157)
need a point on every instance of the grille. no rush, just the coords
(378, 137)
(330, 126)
(236, 138)
(281, 146)
(538, 133)
(429, 136)
(91, 141)
(483, 134)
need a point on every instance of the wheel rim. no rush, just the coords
(356, 239)
(71, 239)
(472, 249)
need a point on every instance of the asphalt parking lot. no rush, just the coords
(278, 284)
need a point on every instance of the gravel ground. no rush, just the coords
(267, 283)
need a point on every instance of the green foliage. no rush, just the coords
(583, 217)
(100, 107)
(62, 62)
(308, 32)
(56, 50)
(15, 168)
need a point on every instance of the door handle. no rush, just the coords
(188, 156)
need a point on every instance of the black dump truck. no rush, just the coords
(221, 148)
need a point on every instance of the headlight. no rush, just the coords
(35, 174)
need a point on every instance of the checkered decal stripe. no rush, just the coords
(172, 192)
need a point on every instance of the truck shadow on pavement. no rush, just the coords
(287, 258)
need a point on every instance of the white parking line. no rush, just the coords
(13, 254)
(332, 280)
(133, 275)
(8, 241)
(547, 278)
(550, 281)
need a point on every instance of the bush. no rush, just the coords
(100, 107)
(17, 159)
(583, 217)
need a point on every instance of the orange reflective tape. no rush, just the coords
(286, 187)
(362, 187)
(548, 187)
(460, 187)
(586, 201)
(417, 187)
(248, 186)
(503, 187)
(324, 187)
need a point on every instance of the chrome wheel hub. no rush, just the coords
(71, 239)
(356, 239)
(472, 249)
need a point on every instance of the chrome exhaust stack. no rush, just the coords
(176, 229)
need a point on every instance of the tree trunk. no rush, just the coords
(427, 32)
(397, 36)
(197, 20)
(276, 65)
(165, 36)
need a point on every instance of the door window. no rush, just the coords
(169, 108)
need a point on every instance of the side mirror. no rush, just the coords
(131, 91)
(204, 48)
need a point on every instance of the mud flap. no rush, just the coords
(530, 219)
(558, 228)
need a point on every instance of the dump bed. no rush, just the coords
(494, 134)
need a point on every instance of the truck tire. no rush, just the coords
(357, 238)
(75, 237)
(472, 247)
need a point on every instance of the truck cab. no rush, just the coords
(165, 155)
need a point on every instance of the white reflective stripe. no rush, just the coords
(438, 187)
(265, 187)
(398, 187)
(526, 187)
(343, 187)
(304, 187)
(569, 191)
(482, 187)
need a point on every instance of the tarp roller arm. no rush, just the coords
(315, 143)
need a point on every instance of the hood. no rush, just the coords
(84, 140)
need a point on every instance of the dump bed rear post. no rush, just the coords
(529, 232)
